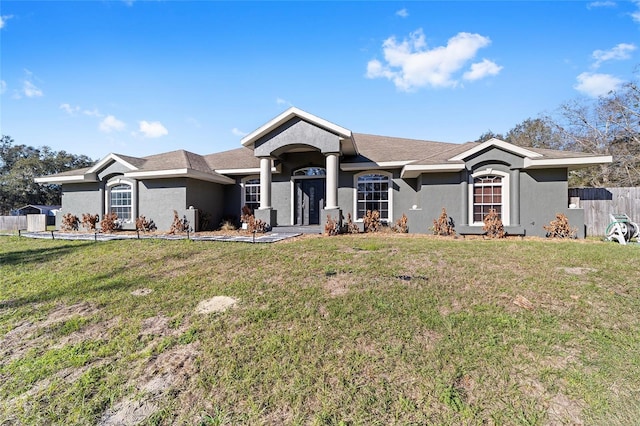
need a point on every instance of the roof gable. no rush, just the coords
(131, 163)
(496, 143)
(292, 113)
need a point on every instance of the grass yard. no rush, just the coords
(348, 330)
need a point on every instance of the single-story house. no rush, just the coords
(298, 168)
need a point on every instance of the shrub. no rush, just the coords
(109, 222)
(371, 221)
(142, 224)
(69, 222)
(401, 225)
(560, 228)
(253, 224)
(89, 221)
(443, 225)
(227, 225)
(179, 225)
(350, 227)
(493, 225)
(332, 227)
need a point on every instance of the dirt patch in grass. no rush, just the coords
(95, 331)
(564, 411)
(157, 325)
(162, 376)
(64, 313)
(128, 412)
(216, 304)
(338, 285)
(141, 292)
(578, 270)
(27, 335)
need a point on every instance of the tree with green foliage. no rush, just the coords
(21, 164)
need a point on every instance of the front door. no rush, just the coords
(309, 201)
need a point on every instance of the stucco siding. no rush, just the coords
(208, 198)
(543, 194)
(493, 158)
(79, 198)
(158, 198)
(296, 132)
(435, 191)
(114, 168)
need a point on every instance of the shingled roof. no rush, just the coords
(413, 155)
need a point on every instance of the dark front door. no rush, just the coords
(309, 201)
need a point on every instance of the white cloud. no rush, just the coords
(30, 90)
(595, 4)
(481, 70)
(4, 19)
(69, 109)
(238, 132)
(92, 112)
(3, 86)
(619, 52)
(594, 85)
(636, 15)
(281, 101)
(410, 64)
(110, 124)
(153, 129)
(403, 13)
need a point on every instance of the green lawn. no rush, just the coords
(344, 330)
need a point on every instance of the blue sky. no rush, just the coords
(144, 77)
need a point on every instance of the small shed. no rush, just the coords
(48, 211)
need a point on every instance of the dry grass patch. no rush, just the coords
(375, 329)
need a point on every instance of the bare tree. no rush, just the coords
(608, 126)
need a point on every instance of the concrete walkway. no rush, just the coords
(269, 237)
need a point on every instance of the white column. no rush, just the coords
(265, 183)
(332, 181)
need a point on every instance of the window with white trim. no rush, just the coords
(487, 195)
(373, 192)
(251, 193)
(120, 201)
(488, 190)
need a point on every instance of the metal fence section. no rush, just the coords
(598, 203)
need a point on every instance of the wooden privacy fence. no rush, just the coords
(598, 203)
(13, 223)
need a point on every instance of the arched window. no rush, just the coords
(121, 201)
(373, 192)
(311, 171)
(251, 193)
(490, 190)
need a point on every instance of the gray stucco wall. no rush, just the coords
(157, 198)
(79, 198)
(296, 132)
(208, 198)
(435, 192)
(544, 193)
(114, 168)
